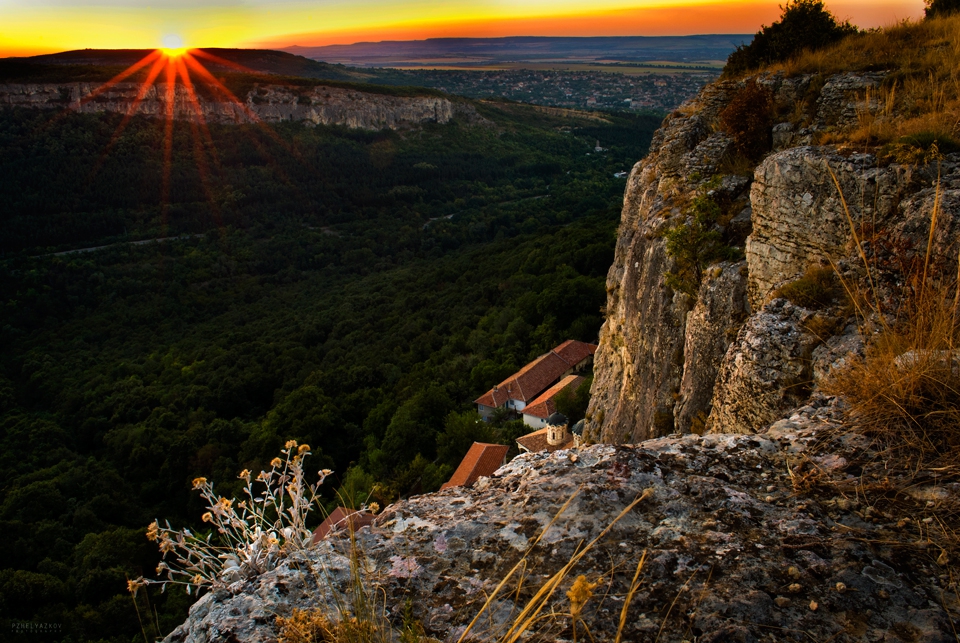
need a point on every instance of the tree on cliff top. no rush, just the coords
(804, 24)
(938, 8)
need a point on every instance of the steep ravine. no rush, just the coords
(320, 105)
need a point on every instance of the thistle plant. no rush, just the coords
(248, 537)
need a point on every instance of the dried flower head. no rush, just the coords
(325, 472)
(373, 507)
(579, 594)
(134, 585)
(249, 539)
(290, 444)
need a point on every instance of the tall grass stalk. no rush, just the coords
(906, 390)
(531, 613)
(634, 586)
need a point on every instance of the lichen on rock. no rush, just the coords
(729, 543)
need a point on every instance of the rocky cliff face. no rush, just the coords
(758, 530)
(733, 552)
(321, 105)
(732, 358)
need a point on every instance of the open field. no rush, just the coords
(618, 68)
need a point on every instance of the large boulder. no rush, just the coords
(766, 371)
(731, 551)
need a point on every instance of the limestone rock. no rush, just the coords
(320, 105)
(799, 218)
(766, 371)
(724, 531)
(711, 327)
(843, 95)
(836, 352)
(651, 375)
(638, 371)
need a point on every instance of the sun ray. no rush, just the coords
(131, 111)
(170, 96)
(180, 66)
(126, 73)
(196, 125)
(200, 53)
(219, 87)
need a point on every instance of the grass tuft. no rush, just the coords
(817, 289)
(920, 95)
(906, 390)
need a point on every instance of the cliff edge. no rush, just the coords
(264, 102)
(729, 353)
(730, 550)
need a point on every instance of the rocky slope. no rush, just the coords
(733, 552)
(778, 523)
(320, 105)
(733, 358)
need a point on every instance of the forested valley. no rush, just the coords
(352, 290)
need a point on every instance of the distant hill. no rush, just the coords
(483, 51)
(258, 60)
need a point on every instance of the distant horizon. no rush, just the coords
(378, 42)
(51, 26)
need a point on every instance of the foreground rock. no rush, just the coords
(733, 551)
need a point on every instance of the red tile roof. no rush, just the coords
(574, 352)
(481, 460)
(537, 441)
(531, 380)
(544, 406)
(341, 518)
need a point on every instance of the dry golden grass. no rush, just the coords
(921, 94)
(906, 391)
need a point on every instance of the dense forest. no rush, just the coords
(352, 290)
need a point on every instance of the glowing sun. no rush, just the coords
(173, 45)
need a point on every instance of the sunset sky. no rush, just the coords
(41, 26)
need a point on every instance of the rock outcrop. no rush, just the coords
(668, 361)
(732, 551)
(318, 105)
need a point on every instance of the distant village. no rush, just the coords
(571, 89)
(531, 394)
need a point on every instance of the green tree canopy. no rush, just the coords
(804, 24)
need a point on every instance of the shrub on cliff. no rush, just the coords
(696, 243)
(938, 8)
(748, 120)
(804, 24)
